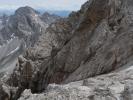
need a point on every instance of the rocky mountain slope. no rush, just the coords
(48, 18)
(27, 24)
(19, 31)
(114, 86)
(95, 40)
(100, 42)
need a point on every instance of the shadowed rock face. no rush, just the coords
(101, 42)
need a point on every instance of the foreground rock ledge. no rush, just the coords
(114, 86)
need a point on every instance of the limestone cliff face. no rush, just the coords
(57, 35)
(95, 40)
(100, 42)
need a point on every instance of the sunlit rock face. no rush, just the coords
(117, 85)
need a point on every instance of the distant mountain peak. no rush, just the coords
(25, 10)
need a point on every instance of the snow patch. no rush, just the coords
(13, 51)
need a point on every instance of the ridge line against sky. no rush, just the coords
(46, 4)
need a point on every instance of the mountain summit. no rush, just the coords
(26, 24)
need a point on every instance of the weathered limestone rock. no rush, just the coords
(114, 86)
(3, 94)
(101, 42)
(95, 40)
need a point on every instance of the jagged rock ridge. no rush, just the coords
(27, 24)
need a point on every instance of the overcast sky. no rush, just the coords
(47, 4)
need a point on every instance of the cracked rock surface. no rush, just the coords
(89, 55)
(113, 86)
